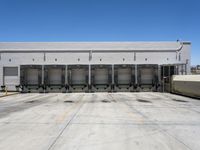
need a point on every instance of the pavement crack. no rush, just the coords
(67, 123)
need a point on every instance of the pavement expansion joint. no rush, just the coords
(68, 122)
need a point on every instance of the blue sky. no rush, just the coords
(102, 20)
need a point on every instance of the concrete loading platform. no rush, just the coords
(99, 121)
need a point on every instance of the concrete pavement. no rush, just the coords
(99, 121)
(3, 94)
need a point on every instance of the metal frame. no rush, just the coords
(73, 87)
(96, 87)
(27, 87)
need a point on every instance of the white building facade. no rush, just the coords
(91, 66)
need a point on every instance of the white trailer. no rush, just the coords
(188, 85)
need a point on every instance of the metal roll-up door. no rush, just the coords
(11, 78)
(124, 76)
(55, 76)
(146, 76)
(101, 76)
(32, 76)
(79, 76)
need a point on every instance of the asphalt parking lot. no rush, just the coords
(99, 121)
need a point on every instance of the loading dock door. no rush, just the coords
(11, 78)
(124, 76)
(32, 76)
(79, 76)
(55, 76)
(101, 76)
(146, 76)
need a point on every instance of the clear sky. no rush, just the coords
(101, 20)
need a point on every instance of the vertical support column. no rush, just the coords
(89, 77)
(43, 87)
(136, 74)
(89, 72)
(69, 75)
(42, 74)
(113, 74)
(163, 73)
(182, 69)
(113, 78)
(19, 76)
(169, 74)
(178, 70)
(163, 79)
(66, 75)
(1, 75)
(132, 76)
(185, 69)
(159, 74)
(66, 78)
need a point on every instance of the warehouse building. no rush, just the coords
(91, 66)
